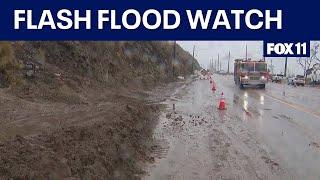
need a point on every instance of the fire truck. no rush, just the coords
(250, 73)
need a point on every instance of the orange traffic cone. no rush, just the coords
(222, 103)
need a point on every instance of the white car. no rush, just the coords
(299, 81)
(277, 78)
(290, 81)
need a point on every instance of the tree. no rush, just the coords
(315, 52)
(307, 62)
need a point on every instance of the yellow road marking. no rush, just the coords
(304, 128)
(300, 108)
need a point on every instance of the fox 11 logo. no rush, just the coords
(286, 49)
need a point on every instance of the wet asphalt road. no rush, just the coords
(263, 134)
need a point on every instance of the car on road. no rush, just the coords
(299, 80)
(222, 72)
(277, 78)
(290, 80)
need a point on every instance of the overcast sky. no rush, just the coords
(206, 50)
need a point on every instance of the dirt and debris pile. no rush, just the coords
(110, 148)
(82, 111)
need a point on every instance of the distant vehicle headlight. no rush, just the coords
(245, 77)
(263, 78)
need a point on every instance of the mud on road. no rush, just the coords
(108, 138)
(197, 141)
(263, 134)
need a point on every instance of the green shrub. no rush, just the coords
(8, 66)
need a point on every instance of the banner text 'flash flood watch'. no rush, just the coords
(131, 19)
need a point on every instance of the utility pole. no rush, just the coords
(212, 65)
(219, 63)
(246, 52)
(271, 67)
(174, 58)
(193, 57)
(228, 62)
(285, 67)
(215, 65)
(305, 69)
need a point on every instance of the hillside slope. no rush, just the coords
(68, 67)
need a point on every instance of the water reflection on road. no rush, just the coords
(263, 134)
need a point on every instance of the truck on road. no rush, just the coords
(250, 73)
